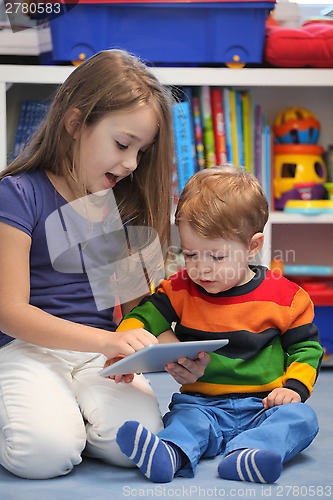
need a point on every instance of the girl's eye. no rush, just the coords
(218, 258)
(121, 146)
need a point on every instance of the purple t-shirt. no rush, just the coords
(26, 201)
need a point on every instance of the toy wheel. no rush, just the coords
(82, 56)
(234, 65)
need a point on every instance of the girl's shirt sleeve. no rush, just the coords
(17, 203)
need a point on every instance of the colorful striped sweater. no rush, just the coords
(268, 322)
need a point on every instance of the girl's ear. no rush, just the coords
(256, 244)
(72, 122)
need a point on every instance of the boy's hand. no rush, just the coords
(187, 371)
(280, 396)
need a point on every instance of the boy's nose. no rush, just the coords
(203, 268)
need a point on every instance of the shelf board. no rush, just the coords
(34, 74)
(244, 77)
(287, 218)
(257, 77)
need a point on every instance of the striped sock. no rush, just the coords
(248, 464)
(155, 458)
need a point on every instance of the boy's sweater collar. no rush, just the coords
(258, 278)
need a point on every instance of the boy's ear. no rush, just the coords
(256, 244)
(72, 122)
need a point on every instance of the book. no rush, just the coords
(239, 128)
(268, 164)
(216, 99)
(32, 114)
(233, 125)
(183, 143)
(247, 131)
(174, 188)
(198, 133)
(207, 123)
(263, 172)
(270, 158)
(227, 123)
(257, 141)
(188, 97)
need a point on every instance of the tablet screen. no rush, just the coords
(154, 357)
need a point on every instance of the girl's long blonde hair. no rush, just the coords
(110, 80)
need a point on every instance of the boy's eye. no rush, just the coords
(121, 146)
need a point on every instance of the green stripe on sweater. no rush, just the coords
(152, 319)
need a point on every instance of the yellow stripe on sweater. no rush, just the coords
(219, 389)
(302, 372)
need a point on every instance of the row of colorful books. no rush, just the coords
(212, 126)
(220, 125)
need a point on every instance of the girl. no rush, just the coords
(109, 129)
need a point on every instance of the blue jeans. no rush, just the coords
(210, 426)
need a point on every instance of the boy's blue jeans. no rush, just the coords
(209, 426)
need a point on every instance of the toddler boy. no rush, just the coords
(249, 404)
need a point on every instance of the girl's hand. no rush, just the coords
(128, 342)
(187, 371)
(280, 396)
(127, 378)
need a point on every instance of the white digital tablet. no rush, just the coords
(154, 357)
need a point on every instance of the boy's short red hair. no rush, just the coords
(222, 202)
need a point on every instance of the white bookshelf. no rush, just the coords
(275, 89)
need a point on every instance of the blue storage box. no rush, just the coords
(194, 33)
(324, 321)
